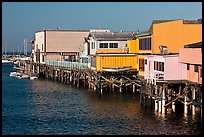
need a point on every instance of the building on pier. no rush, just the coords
(191, 56)
(164, 37)
(106, 43)
(164, 67)
(58, 45)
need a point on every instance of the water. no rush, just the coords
(43, 107)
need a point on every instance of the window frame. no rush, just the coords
(113, 45)
(188, 66)
(195, 68)
(102, 45)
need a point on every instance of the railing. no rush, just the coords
(65, 64)
(155, 76)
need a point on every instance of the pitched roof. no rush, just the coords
(117, 36)
(194, 45)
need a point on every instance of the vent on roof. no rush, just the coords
(163, 50)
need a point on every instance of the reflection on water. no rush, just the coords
(46, 107)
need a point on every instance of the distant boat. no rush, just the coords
(6, 61)
(117, 69)
(14, 74)
(33, 77)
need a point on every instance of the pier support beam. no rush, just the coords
(173, 106)
(163, 99)
(193, 97)
(185, 105)
(156, 105)
(159, 109)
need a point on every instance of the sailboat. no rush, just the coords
(4, 58)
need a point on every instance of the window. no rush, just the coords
(196, 68)
(201, 72)
(103, 45)
(159, 66)
(141, 64)
(155, 65)
(42, 49)
(145, 61)
(145, 44)
(113, 45)
(162, 66)
(188, 67)
(93, 45)
(43, 60)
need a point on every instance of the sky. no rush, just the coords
(20, 20)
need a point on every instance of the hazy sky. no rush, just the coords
(20, 20)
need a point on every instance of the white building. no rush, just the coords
(105, 42)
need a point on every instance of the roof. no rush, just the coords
(160, 21)
(194, 45)
(192, 21)
(199, 21)
(62, 30)
(144, 33)
(116, 36)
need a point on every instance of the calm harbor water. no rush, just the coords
(43, 107)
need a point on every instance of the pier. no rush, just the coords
(162, 95)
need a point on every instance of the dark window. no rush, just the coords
(42, 47)
(196, 68)
(93, 45)
(43, 58)
(140, 44)
(145, 61)
(162, 66)
(113, 45)
(150, 42)
(145, 44)
(201, 72)
(159, 66)
(188, 67)
(141, 64)
(103, 45)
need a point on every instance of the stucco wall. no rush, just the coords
(175, 35)
(65, 41)
(190, 55)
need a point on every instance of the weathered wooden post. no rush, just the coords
(100, 86)
(155, 99)
(160, 98)
(121, 83)
(141, 97)
(133, 88)
(163, 99)
(193, 97)
(185, 105)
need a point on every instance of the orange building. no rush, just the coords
(174, 34)
(163, 37)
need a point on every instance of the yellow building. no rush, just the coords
(115, 60)
(168, 35)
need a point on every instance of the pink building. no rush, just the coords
(164, 67)
(191, 56)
